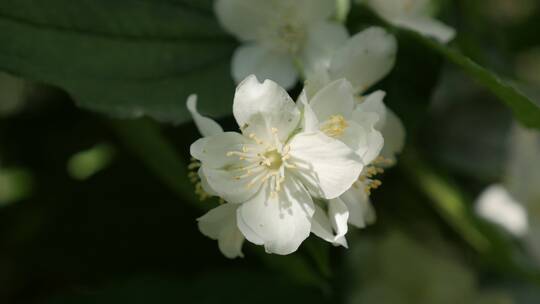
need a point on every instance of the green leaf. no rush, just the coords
(455, 208)
(447, 200)
(127, 58)
(525, 109)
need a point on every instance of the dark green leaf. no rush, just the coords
(447, 198)
(127, 58)
(525, 110)
(144, 139)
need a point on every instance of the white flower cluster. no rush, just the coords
(295, 168)
(301, 167)
(284, 39)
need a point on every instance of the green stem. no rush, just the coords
(448, 200)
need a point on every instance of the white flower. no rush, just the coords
(498, 206)
(220, 223)
(356, 120)
(414, 15)
(363, 60)
(279, 35)
(514, 205)
(333, 110)
(268, 173)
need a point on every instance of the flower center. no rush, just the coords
(264, 162)
(335, 126)
(274, 159)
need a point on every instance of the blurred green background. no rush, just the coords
(93, 209)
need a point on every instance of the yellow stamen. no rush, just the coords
(335, 126)
(195, 179)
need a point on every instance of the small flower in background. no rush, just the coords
(279, 36)
(396, 269)
(515, 205)
(414, 15)
(268, 174)
(497, 205)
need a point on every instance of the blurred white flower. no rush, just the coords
(414, 15)
(363, 60)
(398, 270)
(498, 206)
(269, 172)
(279, 35)
(515, 205)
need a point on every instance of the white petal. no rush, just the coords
(310, 123)
(212, 151)
(206, 126)
(361, 212)
(316, 79)
(227, 186)
(220, 224)
(221, 170)
(280, 223)
(196, 149)
(371, 116)
(339, 215)
(496, 205)
(365, 58)
(363, 138)
(204, 183)
(268, 100)
(394, 137)
(392, 9)
(337, 98)
(246, 19)
(326, 166)
(265, 64)
(373, 103)
(330, 225)
(428, 27)
(320, 225)
(313, 11)
(323, 40)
